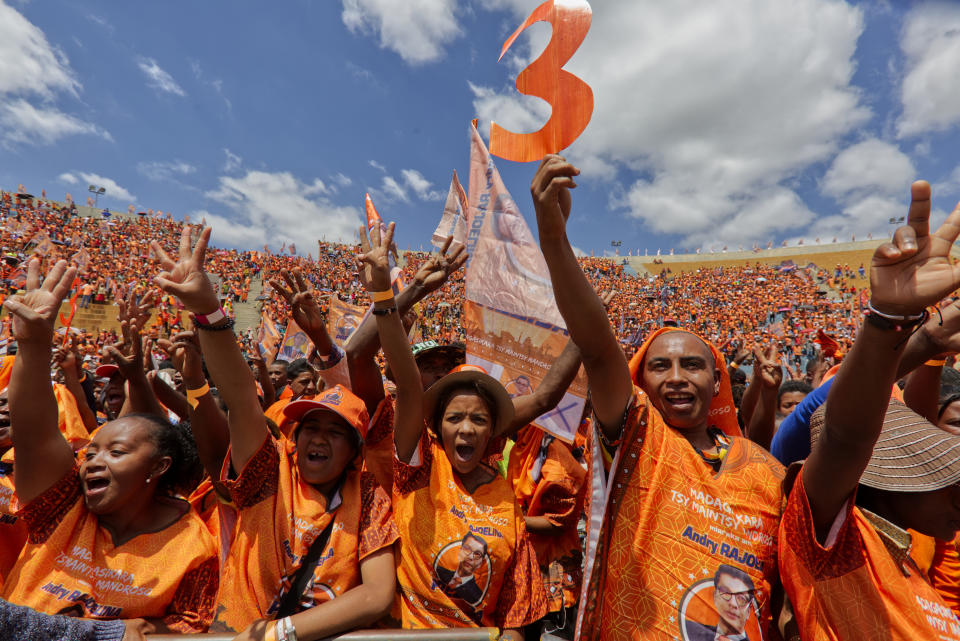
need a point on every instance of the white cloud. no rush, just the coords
(871, 166)
(342, 179)
(30, 67)
(22, 122)
(233, 162)
(871, 180)
(715, 104)
(158, 78)
(417, 30)
(930, 40)
(275, 208)
(376, 165)
(422, 187)
(392, 190)
(165, 170)
(28, 63)
(114, 191)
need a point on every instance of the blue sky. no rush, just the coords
(716, 123)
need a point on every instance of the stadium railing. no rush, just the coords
(448, 634)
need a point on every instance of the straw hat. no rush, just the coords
(465, 375)
(911, 455)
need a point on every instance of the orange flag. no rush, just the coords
(570, 97)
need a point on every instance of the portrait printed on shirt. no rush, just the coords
(462, 571)
(723, 606)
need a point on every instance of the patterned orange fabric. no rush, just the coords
(13, 530)
(669, 524)
(723, 411)
(944, 573)
(71, 566)
(549, 482)
(858, 587)
(464, 559)
(279, 517)
(378, 445)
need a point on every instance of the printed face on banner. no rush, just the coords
(723, 606)
(462, 571)
(569, 96)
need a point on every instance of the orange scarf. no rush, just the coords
(723, 411)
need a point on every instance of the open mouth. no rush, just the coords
(464, 452)
(679, 400)
(96, 486)
(318, 457)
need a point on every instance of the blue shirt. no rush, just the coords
(792, 440)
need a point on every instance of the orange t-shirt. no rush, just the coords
(71, 566)
(944, 572)
(464, 559)
(275, 414)
(854, 587)
(279, 516)
(13, 530)
(670, 526)
(548, 481)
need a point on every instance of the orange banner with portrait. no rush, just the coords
(519, 352)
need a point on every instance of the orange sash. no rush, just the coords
(279, 516)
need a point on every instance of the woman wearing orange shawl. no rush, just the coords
(682, 524)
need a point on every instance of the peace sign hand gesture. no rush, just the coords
(35, 312)
(915, 270)
(437, 270)
(185, 278)
(768, 367)
(375, 260)
(302, 300)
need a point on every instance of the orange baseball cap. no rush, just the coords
(337, 399)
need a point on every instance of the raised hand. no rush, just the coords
(35, 312)
(183, 349)
(303, 302)
(767, 364)
(551, 195)
(185, 278)
(375, 259)
(438, 269)
(914, 270)
(127, 354)
(606, 297)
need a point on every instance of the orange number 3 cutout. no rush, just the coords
(570, 97)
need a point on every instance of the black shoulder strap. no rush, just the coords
(290, 604)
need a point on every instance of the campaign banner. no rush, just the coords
(518, 352)
(343, 319)
(453, 221)
(296, 344)
(268, 337)
(514, 329)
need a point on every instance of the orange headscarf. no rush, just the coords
(723, 411)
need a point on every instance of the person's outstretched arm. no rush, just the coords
(408, 418)
(906, 275)
(548, 394)
(364, 344)
(43, 455)
(581, 308)
(767, 376)
(186, 279)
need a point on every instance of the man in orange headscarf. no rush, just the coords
(676, 492)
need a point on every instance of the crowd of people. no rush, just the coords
(171, 477)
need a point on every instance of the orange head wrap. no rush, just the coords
(723, 412)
